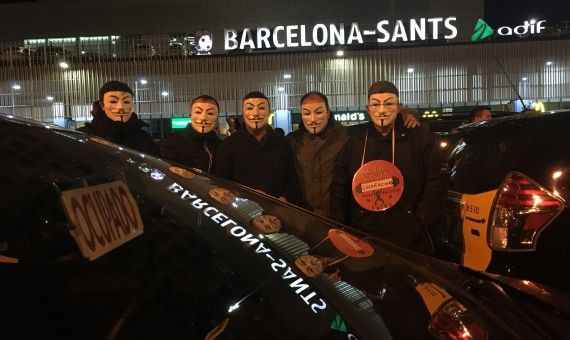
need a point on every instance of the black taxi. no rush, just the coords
(506, 210)
(101, 242)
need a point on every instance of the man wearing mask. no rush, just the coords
(196, 146)
(115, 120)
(316, 145)
(256, 156)
(387, 179)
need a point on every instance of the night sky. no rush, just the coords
(514, 12)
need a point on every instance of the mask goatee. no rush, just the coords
(382, 122)
(256, 125)
(202, 128)
(314, 129)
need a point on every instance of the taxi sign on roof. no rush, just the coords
(104, 217)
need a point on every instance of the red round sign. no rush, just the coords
(350, 245)
(378, 185)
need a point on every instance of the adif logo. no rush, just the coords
(204, 42)
(482, 30)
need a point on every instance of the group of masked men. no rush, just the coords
(323, 166)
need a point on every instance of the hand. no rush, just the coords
(282, 199)
(410, 121)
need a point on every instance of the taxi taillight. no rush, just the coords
(453, 321)
(522, 210)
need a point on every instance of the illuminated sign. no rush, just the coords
(249, 241)
(483, 30)
(538, 106)
(339, 34)
(179, 122)
(350, 116)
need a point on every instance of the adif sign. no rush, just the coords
(339, 34)
(529, 27)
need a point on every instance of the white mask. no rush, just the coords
(203, 116)
(383, 109)
(118, 105)
(314, 114)
(255, 112)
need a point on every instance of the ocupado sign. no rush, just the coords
(103, 217)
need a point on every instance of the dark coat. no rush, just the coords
(421, 202)
(315, 161)
(190, 148)
(268, 165)
(129, 134)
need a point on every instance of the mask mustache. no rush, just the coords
(254, 118)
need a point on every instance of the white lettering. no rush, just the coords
(522, 29)
(420, 29)
(276, 42)
(399, 32)
(263, 37)
(298, 284)
(501, 30)
(246, 40)
(261, 248)
(219, 217)
(290, 35)
(383, 31)
(336, 34)
(304, 41)
(288, 274)
(435, 27)
(354, 34)
(308, 297)
(238, 231)
(230, 40)
(320, 306)
(199, 204)
(250, 238)
(175, 188)
(280, 264)
(186, 195)
(451, 28)
(206, 211)
(228, 222)
(539, 26)
(324, 34)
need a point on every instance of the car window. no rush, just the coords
(478, 162)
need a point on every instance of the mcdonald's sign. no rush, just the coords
(538, 106)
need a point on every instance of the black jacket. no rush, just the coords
(268, 165)
(315, 161)
(190, 148)
(421, 202)
(129, 134)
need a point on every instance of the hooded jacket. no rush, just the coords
(266, 165)
(416, 157)
(315, 161)
(191, 148)
(129, 134)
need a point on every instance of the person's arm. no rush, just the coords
(167, 150)
(431, 200)
(224, 161)
(341, 187)
(410, 121)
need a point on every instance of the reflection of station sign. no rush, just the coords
(350, 116)
(339, 34)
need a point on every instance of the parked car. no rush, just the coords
(506, 210)
(98, 241)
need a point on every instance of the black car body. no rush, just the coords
(192, 264)
(506, 210)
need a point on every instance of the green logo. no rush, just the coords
(338, 324)
(481, 31)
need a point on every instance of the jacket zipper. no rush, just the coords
(209, 155)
